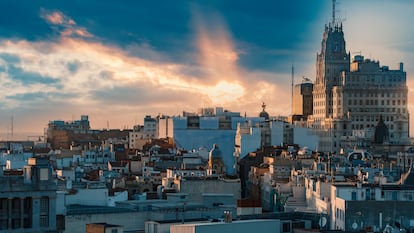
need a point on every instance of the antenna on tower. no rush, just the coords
(293, 81)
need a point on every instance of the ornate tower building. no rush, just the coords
(330, 63)
(349, 98)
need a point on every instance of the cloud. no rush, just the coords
(35, 97)
(140, 93)
(217, 54)
(92, 77)
(74, 66)
(63, 24)
(30, 78)
(7, 59)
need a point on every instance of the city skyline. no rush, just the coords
(119, 62)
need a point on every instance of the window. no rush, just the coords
(394, 195)
(15, 223)
(286, 227)
(44, 212)
(44, 173)
(44, 221)
(44, 204)
(4, 224)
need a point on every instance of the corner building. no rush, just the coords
(28, 198)
(350, 98)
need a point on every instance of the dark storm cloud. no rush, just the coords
(274, 33)
(166, 26)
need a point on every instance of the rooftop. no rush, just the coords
(90, 209)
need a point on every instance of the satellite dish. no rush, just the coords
(354, 225)
(322, 222)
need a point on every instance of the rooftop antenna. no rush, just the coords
(12, 123)
(333, 12)
(305, 79)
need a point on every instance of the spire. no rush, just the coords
(291, 97)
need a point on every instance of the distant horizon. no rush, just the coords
(20, 136)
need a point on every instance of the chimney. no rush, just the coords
(227, 217)
(68, 183)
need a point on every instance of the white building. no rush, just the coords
(305, 137)
(273, 132)
(142, 134)
(165, 127)
(171, 173)
(14, 157)
(193, 131)
(248, 139)
(247, 226)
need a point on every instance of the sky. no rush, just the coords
(117, 61)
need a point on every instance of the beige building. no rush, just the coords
(302, 100)
(103, 228)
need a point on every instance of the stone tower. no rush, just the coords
(331, 61)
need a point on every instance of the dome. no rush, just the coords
(215, 152)
(264, 114)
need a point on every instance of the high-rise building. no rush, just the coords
(350, 98)
(302, 105)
